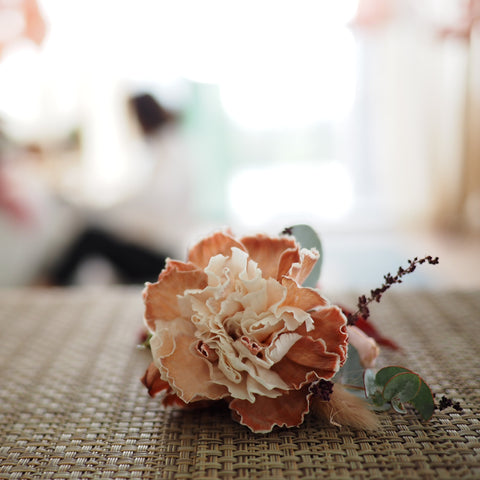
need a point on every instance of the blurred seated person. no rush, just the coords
(137, 235)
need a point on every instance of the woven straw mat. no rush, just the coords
(72, 405)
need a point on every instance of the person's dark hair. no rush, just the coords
(151, 115)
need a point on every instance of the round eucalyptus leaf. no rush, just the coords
(379, 402)
(424, 401)
(398, 405)
(386, 373)
(404, 386)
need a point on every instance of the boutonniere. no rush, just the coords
(241, 321)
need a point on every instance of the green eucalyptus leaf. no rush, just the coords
(424, 401)
(351, 374)
(379, 402)
(386, 373)
(374, 393)
(403, 387)
(308, 238)
(401, 379)
(398, 405)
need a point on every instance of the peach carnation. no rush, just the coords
(233, 323)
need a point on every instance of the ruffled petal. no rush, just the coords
(302, 297)
(319, 353)
(152, 380)
(287, 259)
(301, 270)
(160, 298)
(163, 341)
(188, 372)
(295, 375)
(330, 325)
(218, 243)
(173, 400)
(281, 345)
(306, 361)
(313, 354)
(265, 413)
(274, 256)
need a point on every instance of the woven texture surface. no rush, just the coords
(72, 405)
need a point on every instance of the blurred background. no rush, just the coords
(130, 128)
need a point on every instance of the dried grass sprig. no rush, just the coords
(376, 294)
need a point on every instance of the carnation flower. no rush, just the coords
(233, 323)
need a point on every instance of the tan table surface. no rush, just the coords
(72, 405)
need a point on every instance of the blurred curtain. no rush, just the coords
(469, 202)
(420, 71)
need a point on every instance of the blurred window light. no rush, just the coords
(277, 65)
(296, 79)
(18, 101)
(11, 23)
(311, 190)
